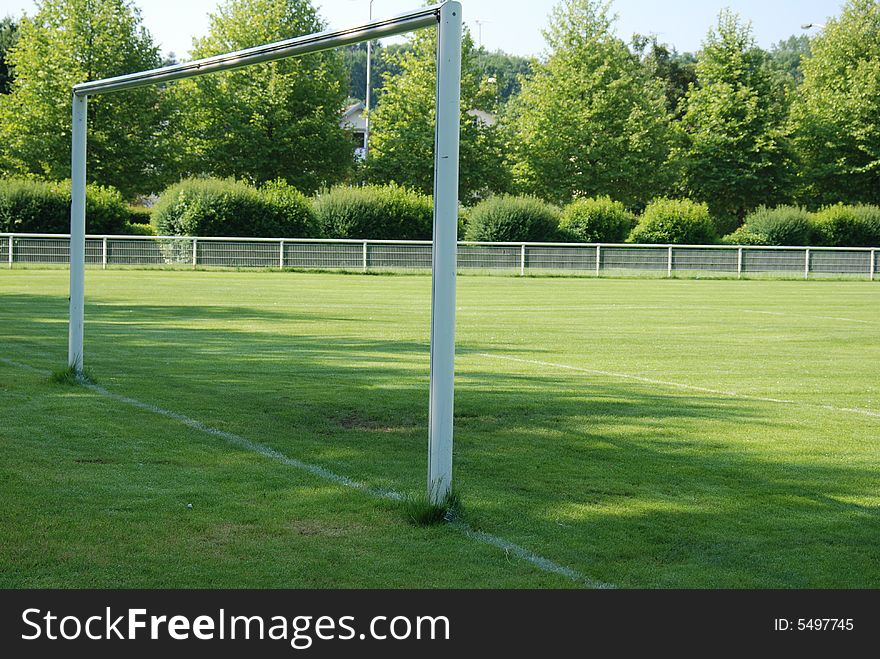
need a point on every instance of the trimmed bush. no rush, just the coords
(106, 210)
(513, 219)
(598, 220)
(139, 215)
(783, 225)
(743, 236)
(463, 216)
(294, 209)
(138, 222)
(132, 229)
(386, 212)
(226, 207)
(848, 226)
(675, 221)
(31, 206)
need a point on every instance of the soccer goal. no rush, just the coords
(446, 18)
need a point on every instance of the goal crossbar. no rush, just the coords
(446, 17)
(310, 43)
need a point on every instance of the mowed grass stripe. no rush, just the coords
(99, 503)
(631, 482)
(508, 547)
(679, 385)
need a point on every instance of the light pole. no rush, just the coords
(367, 99)
(808, 26)
(480, 22)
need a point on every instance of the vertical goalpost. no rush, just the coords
(446, 17)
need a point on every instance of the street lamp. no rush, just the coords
(807, 26)
(480, 22)
(367, 95)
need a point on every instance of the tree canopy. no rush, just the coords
(386, 63)
(733, 125)
(508, 71)
(8, 37)
(402, 127)
(676, 71)
(591, 120)
(72, 41)
(734, 147)
(836, 112)
(272, 120)
(787, 56)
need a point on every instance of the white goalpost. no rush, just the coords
(446, 17)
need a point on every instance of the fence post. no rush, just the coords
(522, 260)
(669, 263)
(11, 240)
(598, 259)
(873, 270)
(104, 253)
(739, 262)
(195, 252)
(807, 264)
(281, 255)
(364, 257)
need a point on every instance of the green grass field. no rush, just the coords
(639, 433)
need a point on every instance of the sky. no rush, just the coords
(514, 27)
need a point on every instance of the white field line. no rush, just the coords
(506, 546)
(25, 367)
(808, 316)
(679, 385)
(677, 309)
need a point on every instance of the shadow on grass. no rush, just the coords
(624, 482)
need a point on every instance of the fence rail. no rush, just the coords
(513, 258)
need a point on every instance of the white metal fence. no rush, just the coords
(514, 258)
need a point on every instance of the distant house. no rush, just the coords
(482, 117)
(353, 119)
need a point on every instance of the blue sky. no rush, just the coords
(512, 26)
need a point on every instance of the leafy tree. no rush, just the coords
(8, 37)
(355, 58)
(734, 151)
(786, 58)
(402, 126)
(836, 114)
(677, 71)
(72, 41)
(385, 64)
(591, 121)
(507, 70)
(270, 120)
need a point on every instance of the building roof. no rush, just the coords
(353, 117)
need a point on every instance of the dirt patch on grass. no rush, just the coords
(357, 421)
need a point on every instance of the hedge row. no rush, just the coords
(834, 226)
(669, 221)
(226, 207)
(29, 206)
(514, 219)
(380, 213)
(214, 207)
